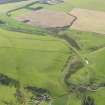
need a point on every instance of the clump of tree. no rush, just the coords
(5, 80)
(36, 90)
(20, 96)
(2, 22)
(71, 41)
(75, 65)
(88, 101)
(38, 95)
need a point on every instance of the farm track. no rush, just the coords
(98, 50)
(34, 49)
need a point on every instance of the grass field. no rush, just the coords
(92, 47)
(88, 41)
(69, 4)
(33, 57)
(38, 58)
(94, 71)
(99, 96)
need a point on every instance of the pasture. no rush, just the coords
(34, 58)
(70, 4)
(36, 62)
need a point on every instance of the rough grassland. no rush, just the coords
(87, 41)
(94, 71)
(6, 93)
(93, 48)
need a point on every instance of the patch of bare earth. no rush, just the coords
(46, 19)
(89, 20)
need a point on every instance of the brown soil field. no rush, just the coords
(89, 20)
(46, 19)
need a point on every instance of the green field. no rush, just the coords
(34, 60)
(67, 65)
(68, 5)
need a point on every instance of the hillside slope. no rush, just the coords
(33, 61)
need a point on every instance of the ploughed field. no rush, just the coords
(47, 19)
(89, 20)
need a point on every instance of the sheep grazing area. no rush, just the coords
(89, 20)
(51, 56)
(46, 19)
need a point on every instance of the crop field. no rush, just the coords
(88, 20)
(52, 53)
